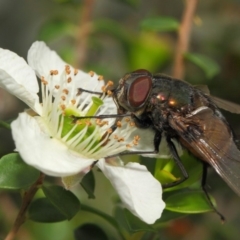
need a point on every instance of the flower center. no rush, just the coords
(64, 105)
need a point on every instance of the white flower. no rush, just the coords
(52, 139)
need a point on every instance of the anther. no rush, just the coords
(100, 78)
(73, 101)
(65, 91)
(109, 93)
(121, 139)
(63, 106)
(91, 73)
(67, 69)
(109, 130)
(44, 81)
(88, 123)
(75, 72)
(57, 86)
(63, 98)
(53, 72)
(69, 79)
(132, 124)
(119, 124)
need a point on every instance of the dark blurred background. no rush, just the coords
(110, 41)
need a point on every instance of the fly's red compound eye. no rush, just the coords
(139, 91)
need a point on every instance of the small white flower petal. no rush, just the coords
(19, 79)
(73, 180)
(138, 189)
(47, 154)
(42, 59)
(146, 143)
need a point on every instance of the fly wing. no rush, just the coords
(209, 138)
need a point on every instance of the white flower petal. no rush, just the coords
(146, 143)
(19, 79)
(138, 189)
(42, 59)
(47, 154)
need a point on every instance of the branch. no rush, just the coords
(27, 198)
(183, 38)
(85, 28)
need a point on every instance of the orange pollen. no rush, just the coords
(135, 143)
(73, 101)
(127, 119)
(119, 124)
(57, 86)
(88, 123)
(67, 69)
(110, 83)
(103, 88)
(109, 93)
(75, 72)
(132, 124)
(137, 138)
(53, 72)
(65, 91)
(63, 107)
(121, 139)
(69, 79)
(91, 73)
(109, 130)
(100, 78)
(44, 81)
(63, 98)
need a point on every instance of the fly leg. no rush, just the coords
(203, 184)
(177, 160)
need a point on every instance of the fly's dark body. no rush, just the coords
(183, 112)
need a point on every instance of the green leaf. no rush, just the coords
(188, 202)
(90, 231)
(160, 24)
(65, 201)
(135, 224)
(42, 210)
(210, 67)
(166, 170)
(16, 174)
(168, 216)
(88, 184)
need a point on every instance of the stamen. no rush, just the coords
(91, 73)
(73, 101)
(53, 72)
(109, 130)
(63, 98)
(67, 69)
(75, 72)
(119, 124)
(121, 139)
(63, 107)
(45, 82)
(69, 80)
(65, 91)
(132, 124)
(57, 86)
(100, 78)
